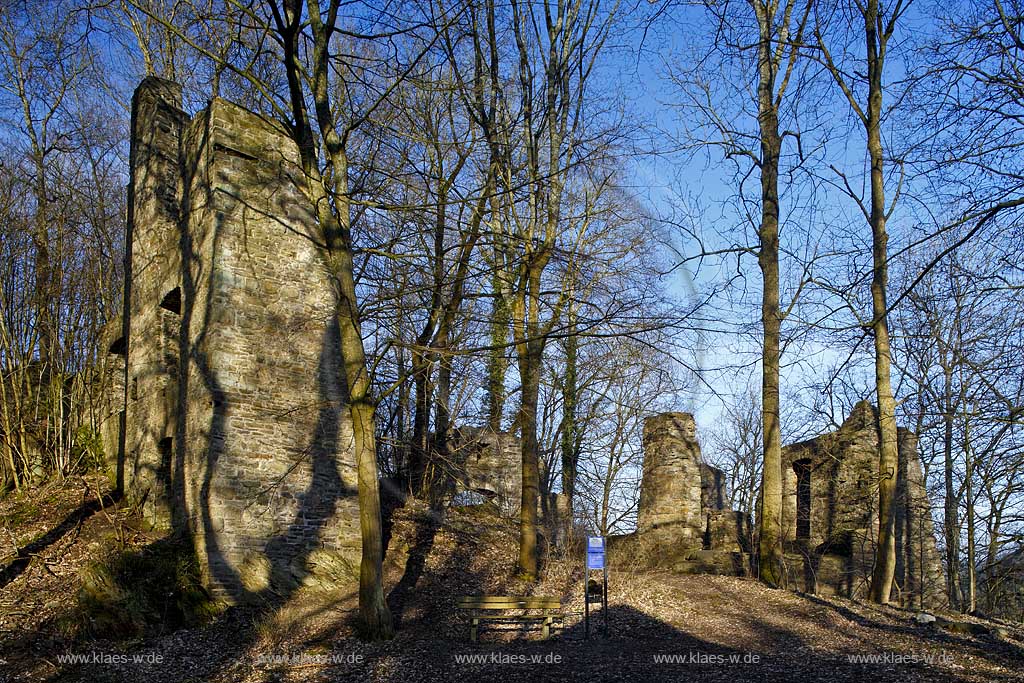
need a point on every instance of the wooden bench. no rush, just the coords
(501, 608)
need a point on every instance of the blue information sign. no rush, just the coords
(595, 552)
(594, 591)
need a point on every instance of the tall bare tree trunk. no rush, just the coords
(951, 522)
(330, 198)
(770, 551)
(972, 576)
(888, 461)
(570, 453)
(530, 356)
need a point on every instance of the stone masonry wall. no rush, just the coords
(240, 393)
(831, 534)
(670, 489)
(488, 462)
(682, 523)
(111, 405)
(713, 493)
(155, 221)
(830, 497)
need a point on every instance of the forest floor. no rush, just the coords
(662, 627)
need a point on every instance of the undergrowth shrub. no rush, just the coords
(137, 592)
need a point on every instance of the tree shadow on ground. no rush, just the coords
(404, 591)
(987, 647)
(74, 518)
(640, 647)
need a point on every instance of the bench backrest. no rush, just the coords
(495, 602)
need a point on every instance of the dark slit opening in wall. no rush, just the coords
(166, 449)
(170, 323)
(803, 499)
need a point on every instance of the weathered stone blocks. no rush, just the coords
(681, 521)
(488, 463)
(830, 503)
(728, 531)
(670, 489)
(830, 489)
(236, 426)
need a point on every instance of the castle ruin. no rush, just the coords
(830, 505)
(234, 425)
(228, 413)
(830, 499)
(683, 524)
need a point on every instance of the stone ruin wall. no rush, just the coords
(683, 525)
(486, 463)
(229, 422)
(682, 522)
(670, 488)
(235, 421)
(830, 527)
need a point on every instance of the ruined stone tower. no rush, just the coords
(670, 491)
(682, 522)
(235, 426)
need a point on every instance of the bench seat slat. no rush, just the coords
(498, 617)
(502, 602)
(505, 600)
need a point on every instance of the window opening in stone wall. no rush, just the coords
(803, 499)
(172, 301)
(166, 448)
(170, 322)
(118, 348)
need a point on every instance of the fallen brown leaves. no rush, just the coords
(664, 627)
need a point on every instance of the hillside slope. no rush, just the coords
(662, 627)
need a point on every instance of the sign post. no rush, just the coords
(595, 591)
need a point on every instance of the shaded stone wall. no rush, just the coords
(918, 564)
(236, 426)
(485, 466)
(670, 488)
(489, 463)
(727, 531)
(155, 221)
(713, 493)
(831, 532)
(830, 497)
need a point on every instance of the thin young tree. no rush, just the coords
(557, 46)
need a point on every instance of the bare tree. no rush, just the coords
(764, 39)
(736, 447)
(551, 66)
(60, 205)
(867, 105)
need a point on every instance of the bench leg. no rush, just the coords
(547, 628)
(472, 633)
